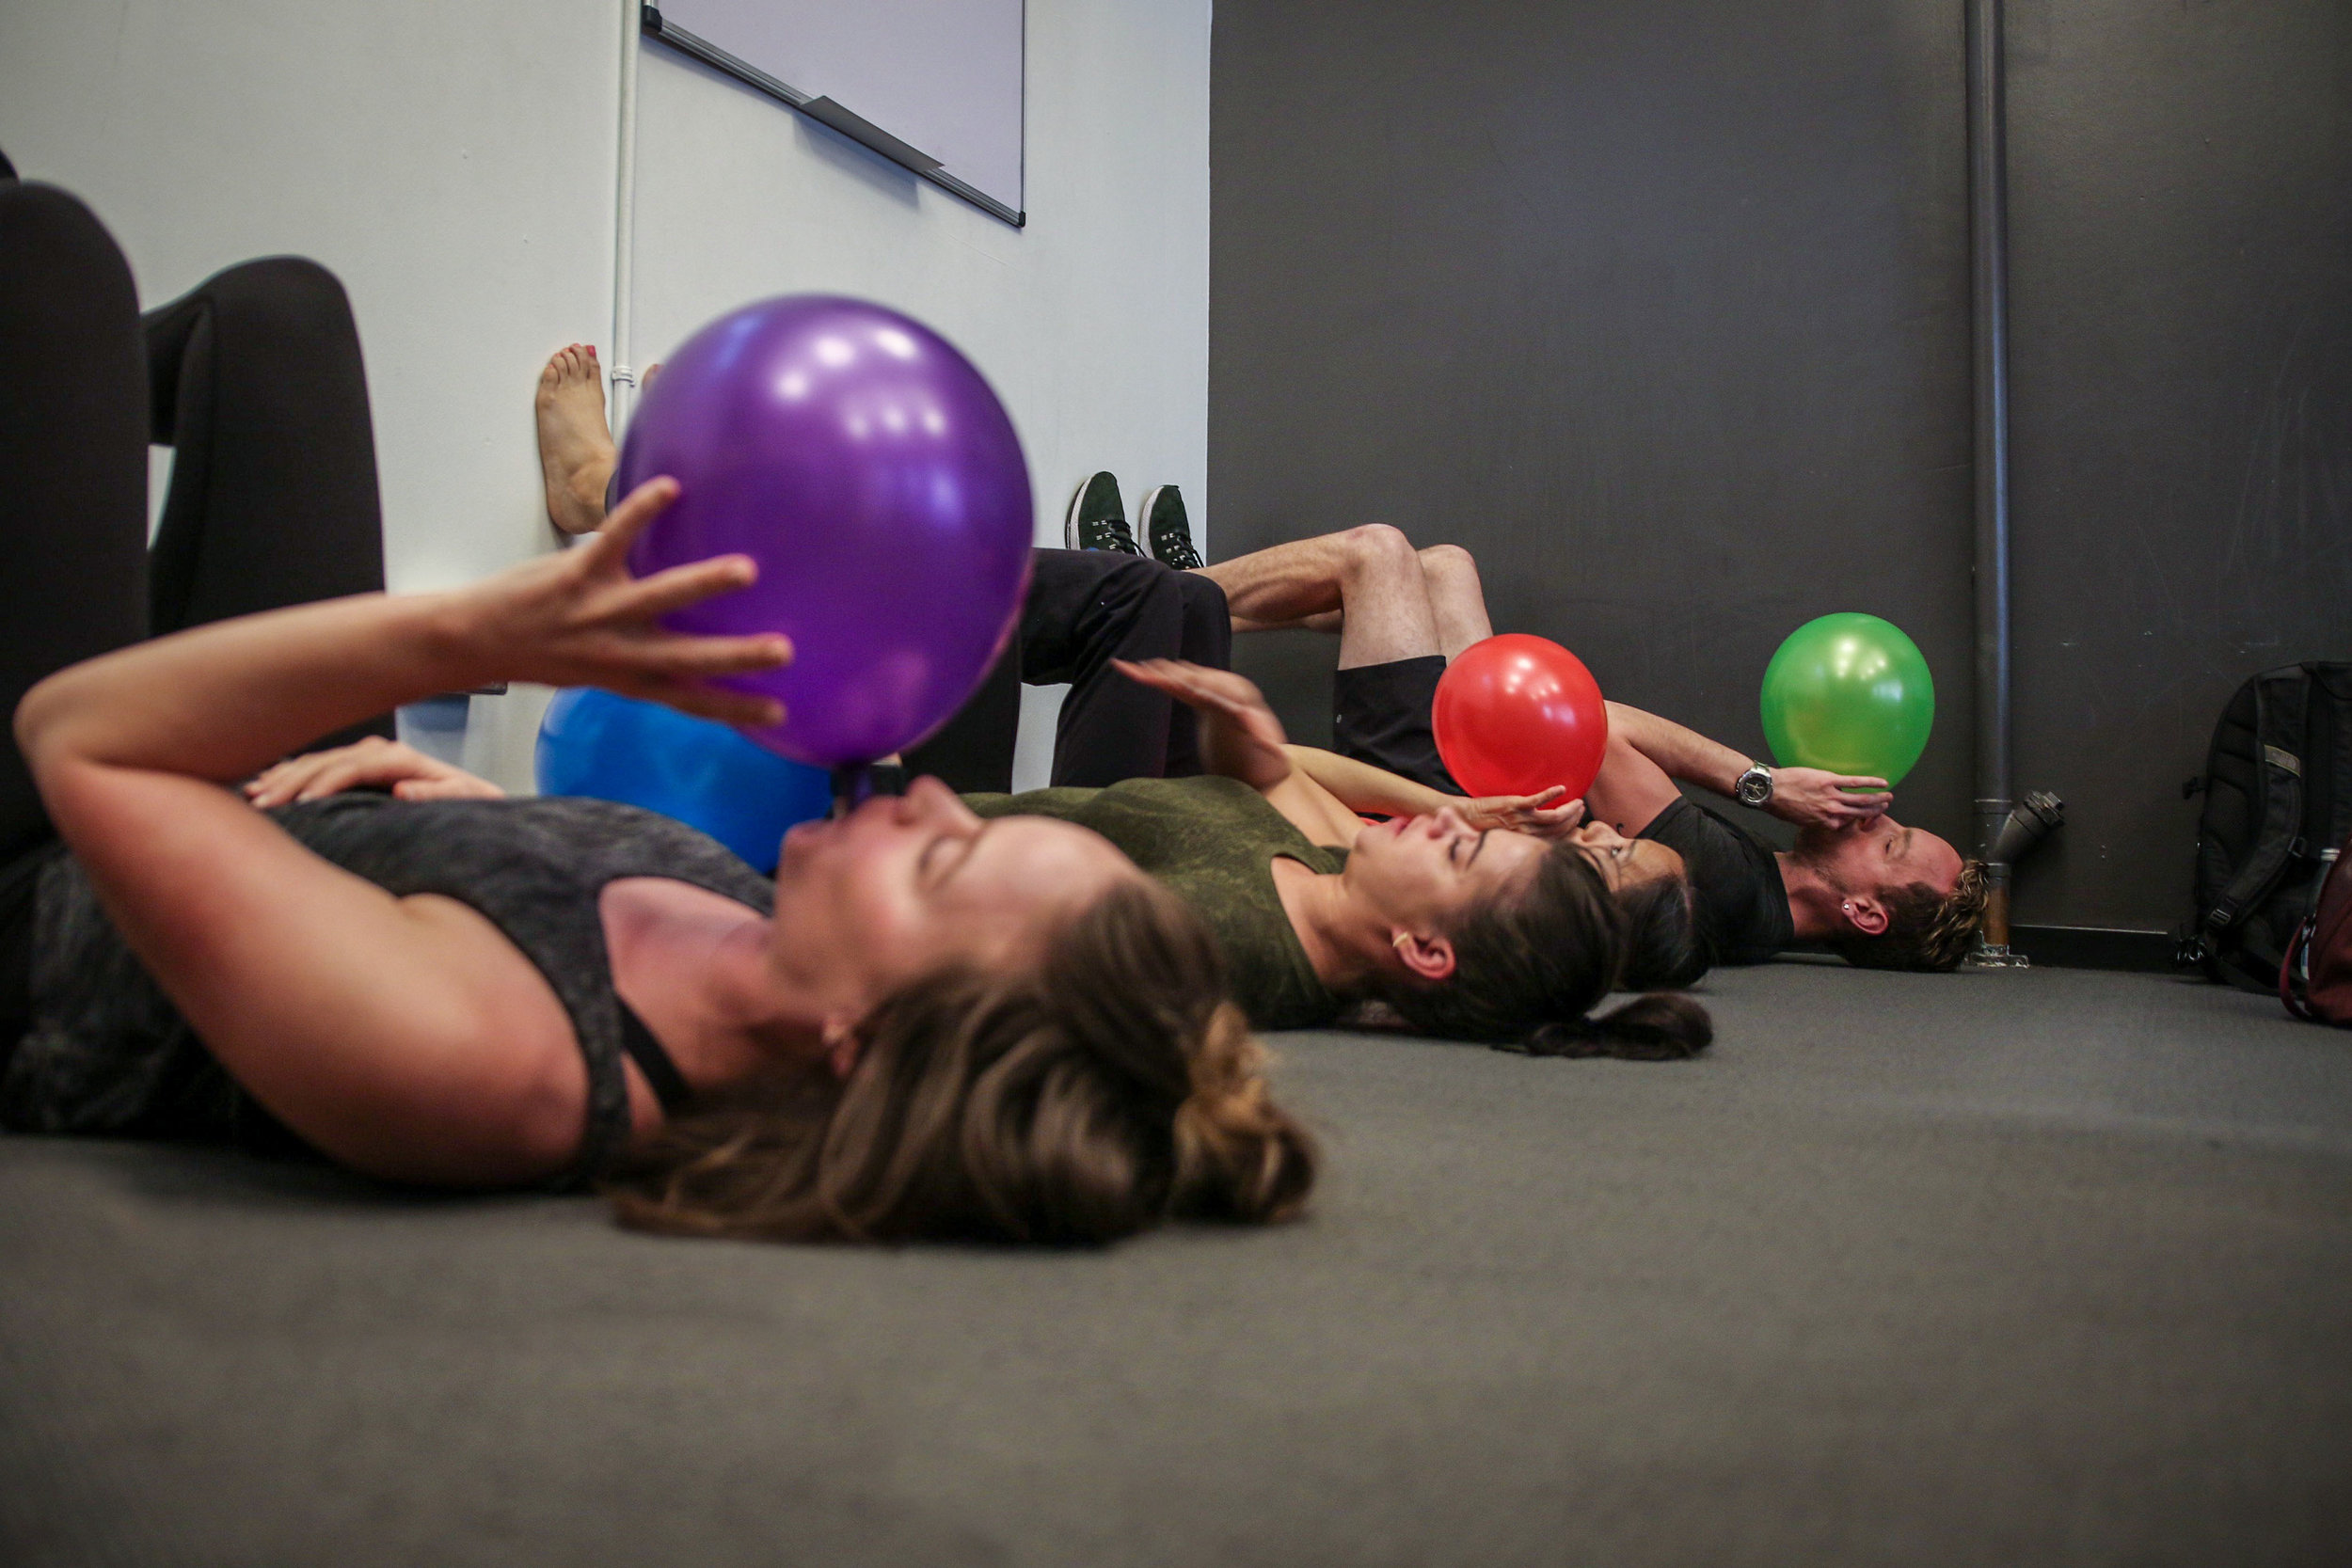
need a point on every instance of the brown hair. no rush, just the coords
(1104, 1089)
(1924, 930)
(1527, 969)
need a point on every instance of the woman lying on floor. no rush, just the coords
(946, 1027)
(1444, 914)
(1466, 928)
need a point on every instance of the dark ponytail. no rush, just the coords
(1530, 965)
(1662, 1026)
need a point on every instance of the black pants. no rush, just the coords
(254, 377)
(1085, 609)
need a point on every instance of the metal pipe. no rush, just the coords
(1988, 233)
(625, 220)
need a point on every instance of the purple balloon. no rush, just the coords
(868, 468)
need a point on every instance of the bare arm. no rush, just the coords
(372, 763)
(386, 1031)
(1647, 753)
(1241, 738)
(1362, 787)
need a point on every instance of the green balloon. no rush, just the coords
(1850, 693)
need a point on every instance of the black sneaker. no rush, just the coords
(1162, 515)
(1097, 520)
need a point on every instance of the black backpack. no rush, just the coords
(2277, 785)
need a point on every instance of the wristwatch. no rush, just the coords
(1755, 787)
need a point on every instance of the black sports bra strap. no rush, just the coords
(669, 1084)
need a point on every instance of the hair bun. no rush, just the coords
(1238, 1155)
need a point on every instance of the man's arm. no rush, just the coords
(1634, 785)
(1646, 754)
(1681, 753)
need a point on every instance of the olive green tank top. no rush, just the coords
(1212, 842)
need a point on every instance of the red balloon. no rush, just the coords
(1516, 714)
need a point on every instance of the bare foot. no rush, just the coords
(574, 444)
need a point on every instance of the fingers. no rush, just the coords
(1161, 675)
(456, 786)
(680, 586)
(330, 776)
(297, 778)
(670, 657)
(277, 785)
(637, 510)
(1195, 684)
(714, 701)
(1167, 675)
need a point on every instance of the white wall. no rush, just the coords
(453, 164)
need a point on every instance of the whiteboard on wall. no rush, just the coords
(933, 85)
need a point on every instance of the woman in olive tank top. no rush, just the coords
(1502, 918)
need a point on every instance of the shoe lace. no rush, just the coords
(1174, 548)
(1107, 534)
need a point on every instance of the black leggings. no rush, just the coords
(254, 377)
(1085, 609)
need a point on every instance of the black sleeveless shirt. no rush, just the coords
(108, 1053)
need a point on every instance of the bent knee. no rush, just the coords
(285, 292)
(1450, 562)
(1379, 547)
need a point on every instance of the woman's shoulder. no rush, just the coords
(540, 839)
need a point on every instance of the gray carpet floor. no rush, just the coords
(2047, 1268)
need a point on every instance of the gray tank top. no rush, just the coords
(108, 1053)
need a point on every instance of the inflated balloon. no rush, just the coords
(868, 468)
(1514, 715)
(1850, 693)
(703, 774)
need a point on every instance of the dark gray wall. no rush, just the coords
(1660, 307)
(2180, 213)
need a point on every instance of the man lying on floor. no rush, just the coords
(1882, 895)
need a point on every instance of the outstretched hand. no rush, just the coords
(1811, 798)
(1545, 815)
(1240, 737)
(579, 618)
(374, 763)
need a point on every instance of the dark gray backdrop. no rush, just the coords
(1660, 307)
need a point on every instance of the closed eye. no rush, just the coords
(944, 854)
